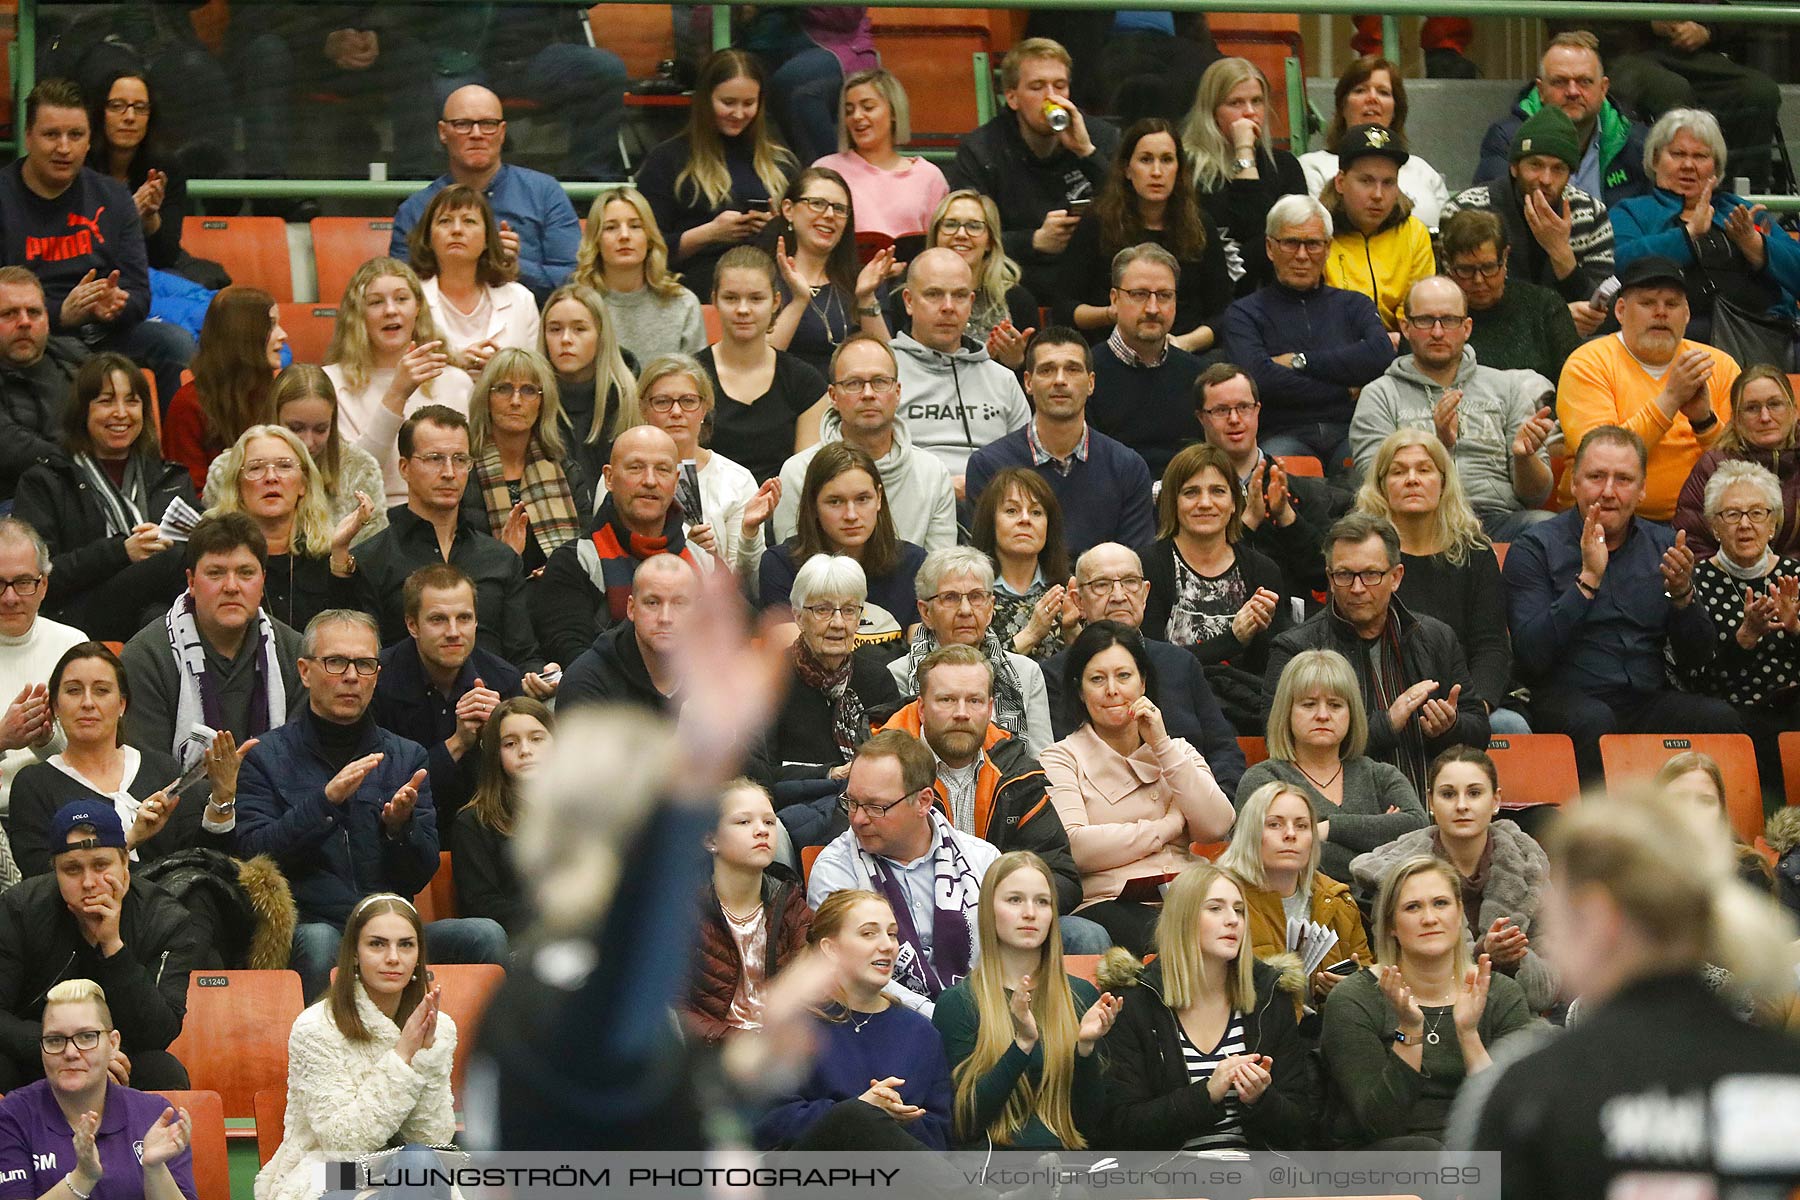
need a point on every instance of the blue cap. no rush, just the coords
(96, 813)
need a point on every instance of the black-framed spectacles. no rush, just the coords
(1344, 579)
(25, 585)
(84, 1039)
(850, 807)
(467, 124)
(337, 664)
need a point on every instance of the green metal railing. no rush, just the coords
(25, 62)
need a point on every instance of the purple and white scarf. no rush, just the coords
(956, 891)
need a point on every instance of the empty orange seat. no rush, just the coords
(1083, 966)
(1301, 464)
(253, 250)
(271, 1122)
(468, 988)
(1535, 768)
(1635, 757)
(341, 245)
(234, 1040)
(309, 329)
(1255, 750)
(212, 1168)
(438, 901)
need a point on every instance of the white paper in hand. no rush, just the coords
(178, 520)
(1311, 941)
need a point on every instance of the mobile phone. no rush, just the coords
(1080, 206)
(1347, 967)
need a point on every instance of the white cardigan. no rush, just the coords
(364, 421)
(512, 320)
(351, 1098)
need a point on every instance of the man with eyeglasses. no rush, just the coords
(1415, 681)
(438, 688)
(1514, 324)
(956, 398)
(1143, 382)
(1572, 77)
(216, 659)
(1561, 235)
(30, 646)
(901, 846)
(1309, 347)
(539, 230)
(433, 527)
(633, 661)
(1109, 585)
(865, 400)
(586, 587)
(89, 919)
(1494, 423)
(345, 807)
(955, 587)
(37, 374)
(1102, 484)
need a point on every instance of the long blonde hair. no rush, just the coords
(1243, 857)
(350, 348)
(1052, 1003)
(609, 362)
(1386, 942)
(706, 176)
(590, 268)
(1178, 949)
(312, 516)
(1454, 525)
(999, 274)
(1200, 133)
(547, 430)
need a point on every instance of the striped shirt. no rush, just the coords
(1228, 1132)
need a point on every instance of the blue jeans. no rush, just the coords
(582, 86)
(1082, 936)
(461, 940)
(803, 91)
(1504, 721)
(1510, 526)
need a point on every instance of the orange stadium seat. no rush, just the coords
(342, 244)
(234, 1040)
(271, 1121)
(808, 856)
(1268, 40)
(1255, 750)
(1629, 757)
(1535, 768)
(212, 1168)
(1500, 549)
(1790, 765)
(1083, 966)
(438, 901)
(930, 50)
(253, 250)
(1301, 464)
(309, 329)
(468, 989)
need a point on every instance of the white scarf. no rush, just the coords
(189, 649)
(1750, 574)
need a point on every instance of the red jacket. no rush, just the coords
(184, 437)
(717, 963)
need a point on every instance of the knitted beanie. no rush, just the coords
(1547, 131)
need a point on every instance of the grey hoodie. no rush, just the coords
(1494, 405)
(920, 496)
(954, 404)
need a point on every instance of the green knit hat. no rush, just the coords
(1547, 131)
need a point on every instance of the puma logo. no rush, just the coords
(92, 224)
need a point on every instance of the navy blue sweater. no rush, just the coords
(894, 1041)
(1105, 499)
(1150, 409)
(1339, 331)
(92, 226)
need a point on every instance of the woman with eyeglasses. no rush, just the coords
(240, 351)
(624, 258)
(471, 287)
(1005, 313)
(98, 503)
(1018, 524)
(894, 192)
(840, 691)
(581, 345)
(524, 488)
(277, 484)
(305, 404)
(1317, 736)
(386, 360)
(722, 506)
(1763, 431)
(824, 294)
(1208, 590)
(1148, 196)
(1132, 798)
(843, 510)
(127, 145)
(764, 393)
(77, 1126)
(1514, 324)
(89, 693)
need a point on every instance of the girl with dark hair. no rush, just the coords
(89, 694)
(1132, 798)
(1018, 523)
(824, 294)
(369, 1064)
(1021, 1034)
(1371, 91)
(1148, 196)
(763, 393)
(711, 186)
(97, 503)
(470, 286)
(879, 1080)
(234, 371)
(843, 510)
(515, 741)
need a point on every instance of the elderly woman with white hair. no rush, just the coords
(840, 692)
(955, 586)
(1722, 244)
(1752, 596)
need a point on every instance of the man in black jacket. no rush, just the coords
(1415, 679)
(87, 920)
(36, 373)
(633, 662)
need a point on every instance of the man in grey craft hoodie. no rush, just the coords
(919, 494)
(954, 398)
(1495, 423)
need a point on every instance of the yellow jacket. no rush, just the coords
(1332, 907)
(1382, 267)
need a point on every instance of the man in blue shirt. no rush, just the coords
(538, 226)
(1596, 597)
(1102, 484)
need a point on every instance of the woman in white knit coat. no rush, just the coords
(368, 1065)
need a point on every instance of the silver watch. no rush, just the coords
(1244, 164)
(1299, 361)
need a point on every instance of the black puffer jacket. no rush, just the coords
(1151, 1104)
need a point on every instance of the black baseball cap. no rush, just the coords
(1653, 268)
(1362, 141)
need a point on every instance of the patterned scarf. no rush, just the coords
(955, 892)
(544, 490)
(124, 509)
(1388, 676)
(1009, 693)
(849, 722)
(611, 554)
(197, 695)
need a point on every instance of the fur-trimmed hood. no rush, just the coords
(1120, 969)
(1783, 830)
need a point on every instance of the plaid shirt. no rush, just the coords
(1040, 456)
(1130, 357)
